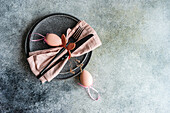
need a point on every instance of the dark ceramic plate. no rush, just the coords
(58, 24)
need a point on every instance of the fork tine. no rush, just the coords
(78, 33)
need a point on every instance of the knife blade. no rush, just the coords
(78, 44)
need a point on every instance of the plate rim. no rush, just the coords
(27, 49)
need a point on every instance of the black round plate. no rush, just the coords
(56, 23)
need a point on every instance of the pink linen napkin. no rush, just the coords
(39, 59)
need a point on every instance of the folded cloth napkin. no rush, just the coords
(39, 59)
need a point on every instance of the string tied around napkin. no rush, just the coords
(70, 46)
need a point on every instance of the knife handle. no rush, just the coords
(52, 60)
(61, 59)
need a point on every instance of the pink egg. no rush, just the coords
(53, 40)
(86, 78)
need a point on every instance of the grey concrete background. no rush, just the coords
(130, 69)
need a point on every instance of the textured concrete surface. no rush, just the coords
(130, 69)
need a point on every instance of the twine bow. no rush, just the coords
(69, 46)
